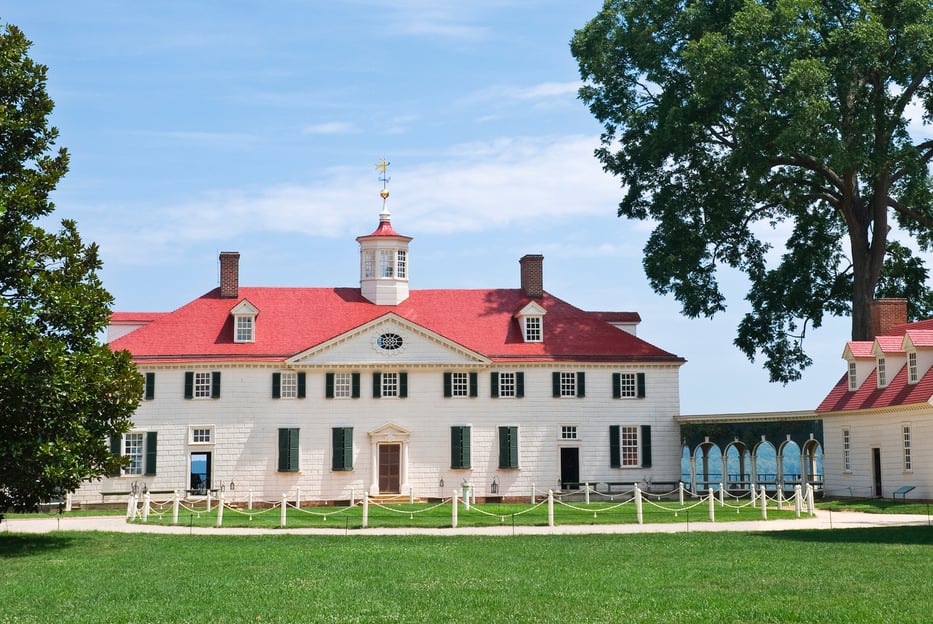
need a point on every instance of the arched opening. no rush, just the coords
(766, 468)
(738, 467)
(709, 466)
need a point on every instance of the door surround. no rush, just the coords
(388, 433)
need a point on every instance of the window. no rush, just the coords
(369, 263)
(202, 435)
(133, 449)
(342, 385)
(533, 329)
(908, 465)
(461, 384)
(288, 449)
(386, 261)
(342, 448)
(389, 342)
(140, 449)
(508, 447)
(568, 384)
(568, 432)
(853, 379)
(913, 372)
(507, 385)
(244, 329)
(288, 385)
(626, 443)
(149, 387)
(390, 385)
(846, 451)
(459, 447)
(201, 385)
(628, 385)
(402, 263)
(882, 376)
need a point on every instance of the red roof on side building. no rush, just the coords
(292, 320)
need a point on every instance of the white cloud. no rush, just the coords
(331, 128)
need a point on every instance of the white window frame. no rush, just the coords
(244, 328)
(905, 436)
(401, 264)
(389, 386)
(882, 373)
(343, 385)
(846, 450)
(913, 369)
(508, 385)
(369, 263)
(568, 384)
(629, 446)
(628, 385)
(200, 435)
(853, 376)
(288, 385)
(568, 432)
(533, 328)
(134, 447)
(460, 384)
(203, 383)
(387, 263)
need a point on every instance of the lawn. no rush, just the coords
(851, 575)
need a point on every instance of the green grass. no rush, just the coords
(852, 575)
(439, 515)
(877, 505)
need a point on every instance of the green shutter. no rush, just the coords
(151, 445)
(646, 446)
(474, 385)
(116, 449)
(150, 387)
(342, 448)
(189, 385)
(329, 386)
(616, 385)
(355, 383)
(288, 450)
(448, 385)
(641, 385)
(215, 385)
(581, 385)
(377, 385)
(508, 447)
(276, 385)
(403, 385)
(302, 389)
(494, 385)
(555, 384)
(519, 385)
(460, 447)
(615, 447)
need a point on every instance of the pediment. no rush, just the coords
(531, 309)
(244, 307)
(389, 432)
(389, 339)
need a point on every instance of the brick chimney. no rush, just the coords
(532, 275)
(886, 313)
(229, 274)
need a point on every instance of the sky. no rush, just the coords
(200, 127)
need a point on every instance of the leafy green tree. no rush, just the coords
(62, 392)
(733, 122)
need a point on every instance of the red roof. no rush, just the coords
(861, 348)
(292, 320)
(135, 317)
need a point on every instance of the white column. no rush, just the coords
(374, 471)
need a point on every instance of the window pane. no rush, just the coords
(133, 448)
(390, 384)
(568, 384)
(629, 439)
(506, 384)
(202, 385)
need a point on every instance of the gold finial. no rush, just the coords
(381, 166)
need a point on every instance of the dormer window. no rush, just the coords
(531, 320)
(244, 321)
(913, 371)
(853, 379)
(882, 375)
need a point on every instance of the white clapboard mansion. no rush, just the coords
(878, 419)
(380, 389)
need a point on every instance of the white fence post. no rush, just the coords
(208, 501)
(532, 493)
(764, 503)
(798, 500)
(638, 510)
(722, 495)
(146, 500)
(453, 509)
(249, 500)
(297, 498)
(712, 505)
(175, 503)
(810, 499)
(220, 509)
(680, 493)
(284, 507)
(550, 508)
(586, 492)
(131, 507)
(365, 509)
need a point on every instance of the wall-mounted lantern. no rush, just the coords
(494, 487)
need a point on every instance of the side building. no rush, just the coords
(381, 389)
(878, 419)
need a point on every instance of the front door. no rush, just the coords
(570, 468)
(876, 470)
(200, 481)
(390, 456)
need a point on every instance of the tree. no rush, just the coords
(731, 121)
(62, 392)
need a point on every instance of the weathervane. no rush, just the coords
(382, 165)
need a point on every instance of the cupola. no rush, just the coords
(384, 256)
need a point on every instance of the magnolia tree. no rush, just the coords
(62, 392)
(729, 122)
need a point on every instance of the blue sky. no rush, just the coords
(200, 127)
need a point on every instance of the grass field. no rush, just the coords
(853, 575)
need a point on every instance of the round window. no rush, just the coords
(389, 342)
